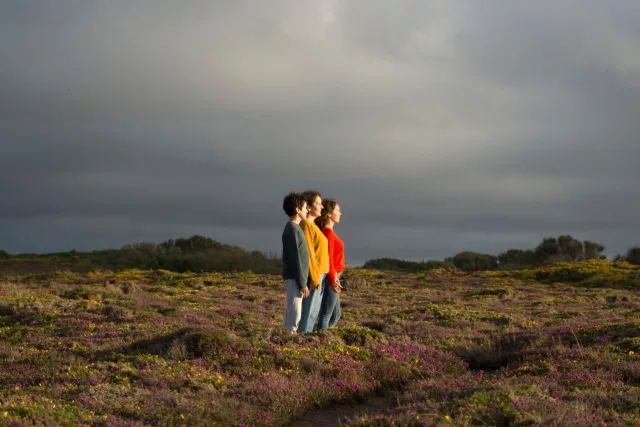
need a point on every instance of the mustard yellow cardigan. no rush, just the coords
(318, 252)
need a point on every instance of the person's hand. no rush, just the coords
(305, 292)
(337, 287)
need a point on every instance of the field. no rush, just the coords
(553, 346)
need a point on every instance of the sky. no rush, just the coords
(439, 126)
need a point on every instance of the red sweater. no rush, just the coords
(336, 254)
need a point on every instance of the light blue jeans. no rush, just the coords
(311, 307)
(330, 307)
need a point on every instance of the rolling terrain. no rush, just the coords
(552, 346)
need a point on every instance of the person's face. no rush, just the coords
(303, 211)
(336, 214)
(316, 209)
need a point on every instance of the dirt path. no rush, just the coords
(333, 416)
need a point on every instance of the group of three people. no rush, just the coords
(312, 261)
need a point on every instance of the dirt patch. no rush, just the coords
(335, 415)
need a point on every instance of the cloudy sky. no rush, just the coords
(439, 126)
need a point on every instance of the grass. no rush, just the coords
(532, 347)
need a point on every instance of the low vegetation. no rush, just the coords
(555, 345)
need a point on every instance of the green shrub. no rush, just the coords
(357, 335)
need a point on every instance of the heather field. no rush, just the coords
(553, 346)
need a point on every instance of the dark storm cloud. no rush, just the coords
(439, 126)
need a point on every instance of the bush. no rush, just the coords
(518, 259)
(633, 255)
(472, 261)
(357, 335)
(353, 280)
(594, 273)
(391, 264)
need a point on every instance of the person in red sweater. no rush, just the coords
(330, 306)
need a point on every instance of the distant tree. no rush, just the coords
(392, 264)
(566, 248)
(145, 246)
(548, 248)
(196, 243)
(518, 258)
(168, 244)
(196, 254)
(633, 255)
(570, 249)
(473, 261)
(592, 250)
(4, 254)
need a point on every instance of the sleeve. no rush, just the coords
(332, 259)
(314, 272)
(302, 260)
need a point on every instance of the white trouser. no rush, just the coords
(294, 305)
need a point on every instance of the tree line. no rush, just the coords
(196, 254)
(551, 249)
(203, 254)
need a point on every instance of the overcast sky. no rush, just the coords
(440, 126)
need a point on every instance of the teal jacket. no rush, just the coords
(295, 254)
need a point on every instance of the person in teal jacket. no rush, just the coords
(295, 259)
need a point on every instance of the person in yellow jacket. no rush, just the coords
(318, 261)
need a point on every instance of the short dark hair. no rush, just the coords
(310, 196)
(291, 202)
